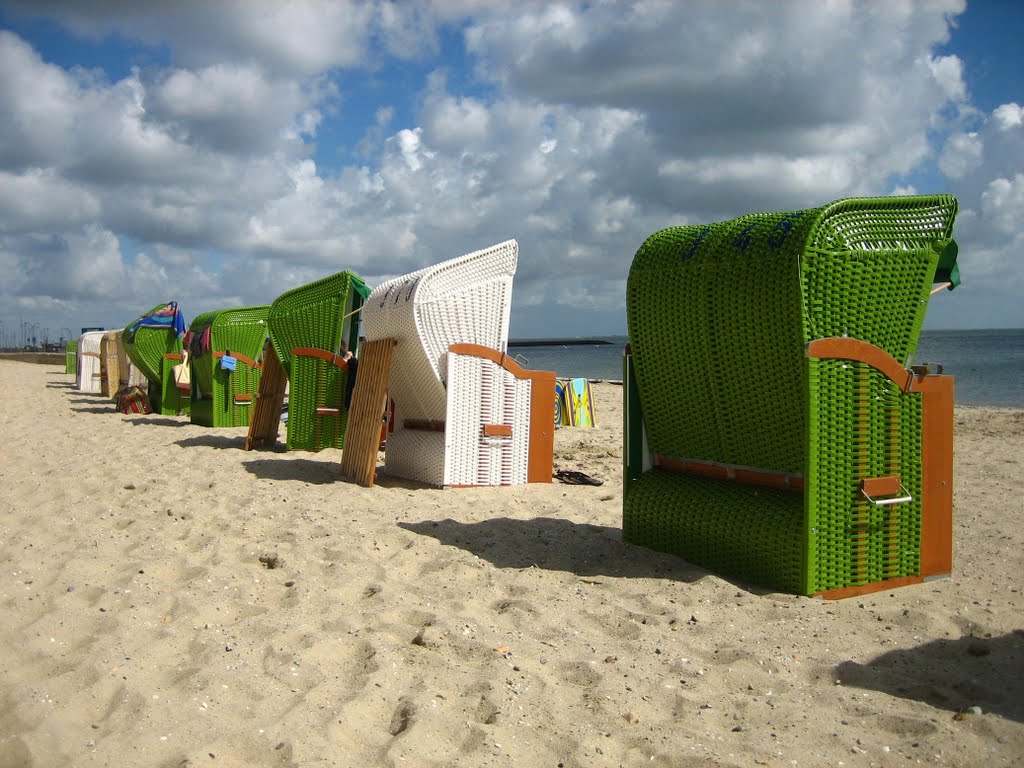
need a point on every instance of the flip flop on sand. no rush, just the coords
(572, 477)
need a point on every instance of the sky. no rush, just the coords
(221, 153)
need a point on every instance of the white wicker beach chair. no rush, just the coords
(89, 369)
(462, 408)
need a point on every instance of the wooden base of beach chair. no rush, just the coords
(369, 401)
(266, 417)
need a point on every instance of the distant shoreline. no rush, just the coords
(558, 342)
(42, 358)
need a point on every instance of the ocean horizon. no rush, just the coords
(987, 364)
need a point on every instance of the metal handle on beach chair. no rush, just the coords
(887, 486)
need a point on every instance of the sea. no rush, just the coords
(988, 365)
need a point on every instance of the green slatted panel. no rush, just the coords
(719, 319)
(316, 383)
(147, 349)
(172, 399)
(71, 357)
(722, 526)
(313, 315)
(318, 316)
(215, 390)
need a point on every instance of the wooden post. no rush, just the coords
(369, 399)
(266, 416)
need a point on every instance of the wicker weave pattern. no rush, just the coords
(416, 454)
(222, 398)
(720, 525)
(463, 300)
(466, 300)
(482, 392)
(149, 345)
(146, 349)
(317, 417)
(71, 357)
(314, 315)
(89, 367)
(719, 318)
(172, 399)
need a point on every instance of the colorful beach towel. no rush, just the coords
(168, 316)
(574, 403)
(132, 399)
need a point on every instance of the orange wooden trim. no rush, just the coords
(747, 475)
(323, 410)
(542, 427)
(173, 356)
(862, 352)
(425, 424)
(497, 430)
(937, 475)
(502, 359)
(881, 486)
(243, 398)
(876, 586)
(322, 354)
(238, 356)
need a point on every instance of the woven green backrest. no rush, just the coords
(149, 345)
(71, 357)
(239, 330)
(719, 317)
(868, 265)
(202, 365)
(715, 328)
(313, 315)
(316, 383)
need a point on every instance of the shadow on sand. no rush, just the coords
(301, 470)
(160, 421)
(950, 674)
(557, 545)
(98, 409)
(213, 441)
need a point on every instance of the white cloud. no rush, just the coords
(962, 154)
(1008, 116)
(589, 126)
(1002, 204)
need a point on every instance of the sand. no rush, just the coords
(167, 599)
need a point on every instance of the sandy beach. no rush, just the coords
(168, 599)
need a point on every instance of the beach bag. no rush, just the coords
(227, 362)
(182, 375)
(132, 399)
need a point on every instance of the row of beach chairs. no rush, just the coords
(775, 430)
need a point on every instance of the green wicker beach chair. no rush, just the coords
(772, 430)
(225, 354)
(71, 357)
(147, 342)
(307, 327)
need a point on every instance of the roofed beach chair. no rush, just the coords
(153, 343)
(225, 354)
(90, 374)
(111, 355)
(464, 413)
(71, 357)
(307, 327)
(773, 430)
